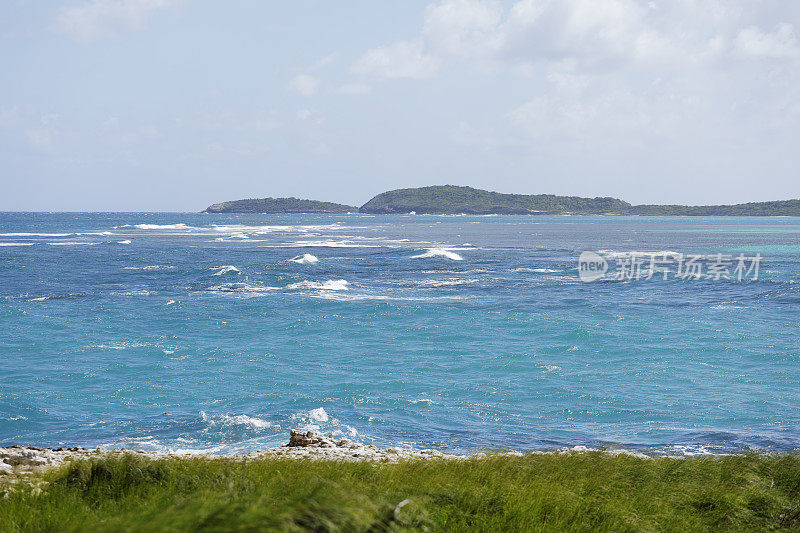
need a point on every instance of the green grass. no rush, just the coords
(576, 492)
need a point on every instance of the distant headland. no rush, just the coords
(454, 200)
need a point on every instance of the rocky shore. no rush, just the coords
(301, 445)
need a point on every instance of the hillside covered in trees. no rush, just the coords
(453, 200)
(279, 205)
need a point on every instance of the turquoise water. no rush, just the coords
(198, 332)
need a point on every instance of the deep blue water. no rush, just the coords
(130, 330)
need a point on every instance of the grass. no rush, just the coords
(575, 492)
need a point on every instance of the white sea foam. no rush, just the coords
(332, 244)
(318, 415)
(439, 252)
(16, 244)
(427, 401)
(537, 270)
(170, 302)
(329, 285)
(305, 259)
(126, 241)
(135, 292)
(74, 243)
(235, 420)
(451, 282)
(224, 269)
(243, 289)
(611, 254)
(36, 234)
(159, 226)
(241, 228)
(149, 267)
(118, 345)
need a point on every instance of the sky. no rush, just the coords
(171, 105)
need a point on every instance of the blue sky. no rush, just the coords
(176, 104)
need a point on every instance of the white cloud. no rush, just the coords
(100, 18)
(781, 44)
(304, 84)
(403, 59)
(598, 34)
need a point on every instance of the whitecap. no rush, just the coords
(329, 285)
(126, 241)
(149, 267)
(135, 292)
(74, 243)
(245, 289)
(438, 252)
(451, 282)
(318, 415)
(160, 226)
(224, 269)
(16, 244)
(305, 259)
(36, 234)
(235, 420)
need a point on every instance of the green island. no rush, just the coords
(455, 200)
(590, 491)
(279, 205)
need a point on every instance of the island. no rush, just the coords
(456, 200)
(279, 205)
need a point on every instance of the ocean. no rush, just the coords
(220, 333)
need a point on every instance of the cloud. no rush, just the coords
(403, 59)
(598, 35)
(304, 84)
(101, 18)
(781, 44)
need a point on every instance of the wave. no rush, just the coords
(611, 254)
(537, 270)
(243, 229)
(332, 244)
(330, 285)
(16, 244)
(134, 292)
(126, 241)
(149, 267)
(224, 269)
(235, 420)
(305, 259)
(318, 419)
(244, 289)
(157, 226)
(118, 345)
(74, 243)
(53, 234)
(439, 252)
(451, 282)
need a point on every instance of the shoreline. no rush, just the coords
(25, 459)
(22, 459)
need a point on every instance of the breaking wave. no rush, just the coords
(305, 259)
(439, 252)
(224, 269)
(330, 285)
